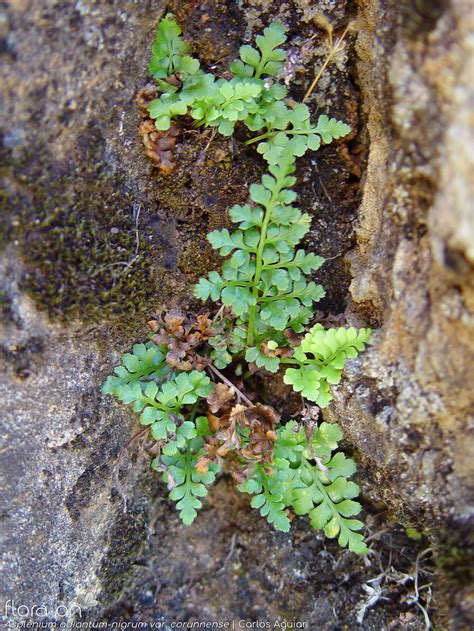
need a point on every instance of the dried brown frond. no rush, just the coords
(145, 96)
(260, 419)
(228, 423)
(159, 145)
(275, 352)
(220, 396)
(214, 453)
(241, 473)
(265, 414)
(183, 336)
(293, 338)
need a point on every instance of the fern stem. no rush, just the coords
(229, 383)
(289, 132)
(257, 138)
(294, 294)
(334, 49)
(259, 256)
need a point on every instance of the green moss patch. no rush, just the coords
(80, 238)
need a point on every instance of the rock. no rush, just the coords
(95, 241)
(406, 406)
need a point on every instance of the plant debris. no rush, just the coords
(247, 430)
(183, 336)
(159, 145)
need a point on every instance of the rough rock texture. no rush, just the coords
(406, 406)
(95, 241)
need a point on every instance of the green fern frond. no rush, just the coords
(147, 362)
(264, 280)
(169, 53)
(323, 492)
(321, 358)
(293, 132)
(187, 484)
(267, 60)
(267, 496)
(160, 402)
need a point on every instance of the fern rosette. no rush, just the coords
(265, 292)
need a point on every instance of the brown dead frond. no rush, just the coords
(183, 336)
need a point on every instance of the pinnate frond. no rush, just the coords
(320, 359)
(324, 493)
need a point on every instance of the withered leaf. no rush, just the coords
(228, 424)
(214, 452)
(144, 97)
(159, 145)
(214, 422)
(277, 352)
(238, 414)
(221, 395)
(293, 338)
(265, 414)
(183, 336)
(202, 465)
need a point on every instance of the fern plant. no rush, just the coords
(323, 492)
(304, 475)
(320, 357)
(169, 54)
(265, 296)
(254, 96)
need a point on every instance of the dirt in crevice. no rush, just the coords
(230, 565)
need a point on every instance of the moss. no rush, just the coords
(454, 553)
(125, 542)
(6, 307)
(85, 255)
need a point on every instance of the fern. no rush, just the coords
(321, 358)
(266, 296)
(264, 281)
(187, 484)
(169, 53)
(268, 59)
(147, 362)
(294, 132)
(146, 382)
(248, 97)
(229, 102)
(228, 341)
(267, 495)
(322, 492)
